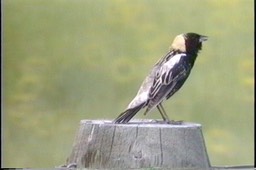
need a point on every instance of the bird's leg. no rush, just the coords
(165, 116)
(163, 113)
(160, 112)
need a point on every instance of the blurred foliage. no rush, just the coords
(70, 60)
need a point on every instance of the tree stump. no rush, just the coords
(138, 144)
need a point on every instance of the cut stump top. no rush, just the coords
(138, 144)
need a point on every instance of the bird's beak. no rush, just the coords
(203, 38)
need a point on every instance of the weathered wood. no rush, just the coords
(139, 144)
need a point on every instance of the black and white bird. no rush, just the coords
(166, 77)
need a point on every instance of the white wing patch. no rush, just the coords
(165, 71)
(143, 94)
(164, 75)
(174, 60)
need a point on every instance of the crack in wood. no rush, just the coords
(112, 142)
(161, 147)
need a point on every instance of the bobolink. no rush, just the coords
(166, 77)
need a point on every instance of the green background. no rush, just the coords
(67, 60)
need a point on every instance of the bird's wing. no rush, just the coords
(170, 76)
(143, 93)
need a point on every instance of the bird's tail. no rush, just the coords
(128, 114)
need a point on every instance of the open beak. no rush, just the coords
(203, 38)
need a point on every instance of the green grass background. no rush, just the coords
(67, 60)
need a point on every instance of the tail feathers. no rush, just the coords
(128, 114)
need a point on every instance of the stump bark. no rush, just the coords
(139, 144)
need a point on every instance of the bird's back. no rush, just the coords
(169, 78)
(143, 92)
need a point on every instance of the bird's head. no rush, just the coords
(188, 43)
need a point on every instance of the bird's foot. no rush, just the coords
(171, 122)
(175, 122)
